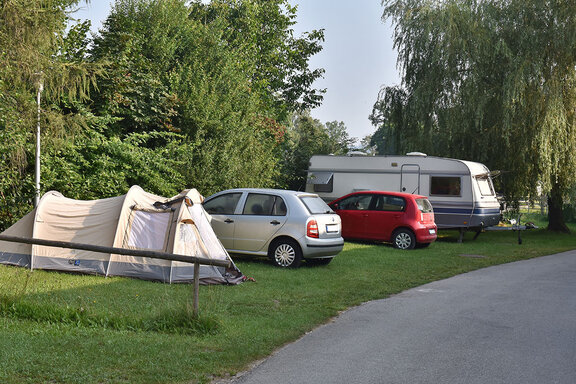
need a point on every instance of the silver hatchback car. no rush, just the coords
(286, 226)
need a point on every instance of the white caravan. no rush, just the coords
(461, 192)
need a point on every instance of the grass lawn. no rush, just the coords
(64, 328)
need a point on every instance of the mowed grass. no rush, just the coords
(64, 328)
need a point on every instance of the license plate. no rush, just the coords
(331, 228)
(432, 231)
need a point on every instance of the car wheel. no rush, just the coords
(285, 253)
(403, 239)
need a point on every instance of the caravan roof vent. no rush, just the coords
(356, 153)
(416, 154)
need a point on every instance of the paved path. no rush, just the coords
(514, 323)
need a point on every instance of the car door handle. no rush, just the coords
(228, 221)
(274, 222)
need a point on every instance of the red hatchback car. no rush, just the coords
(403, 219)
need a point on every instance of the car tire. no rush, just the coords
(403, 239)
(285, 253)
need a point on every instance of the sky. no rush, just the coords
(358, 56)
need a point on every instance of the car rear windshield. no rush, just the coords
(315, 205)
(424, 205)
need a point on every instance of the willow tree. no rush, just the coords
(492, 81)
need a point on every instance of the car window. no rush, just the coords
(424, 205)
(355, 203)
(389, 203)
(279, 207)
(315, 205)
(223, 204)
(262, 204)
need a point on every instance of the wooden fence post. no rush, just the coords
(196, 293)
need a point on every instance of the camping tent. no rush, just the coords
(137, 220)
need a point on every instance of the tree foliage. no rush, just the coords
(261, 35)
(307, 137)
(491, 81)
(387, 116)
(170, 94)
(172, 73)
(30, 36)
(339, 142)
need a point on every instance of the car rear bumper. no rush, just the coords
(426, 234)
(313, 248)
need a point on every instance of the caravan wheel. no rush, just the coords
(403, 239)
(285, 253)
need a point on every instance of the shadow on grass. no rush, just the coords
(265, 261)
(27, 297)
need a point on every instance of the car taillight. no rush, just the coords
(312, 229)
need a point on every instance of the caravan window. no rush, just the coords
(322, 181)
(445, 185)
(485, 185)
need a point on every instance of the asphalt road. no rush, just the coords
(514, 323)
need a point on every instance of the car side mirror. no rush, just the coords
(334, 206)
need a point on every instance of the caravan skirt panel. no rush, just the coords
(465, 217)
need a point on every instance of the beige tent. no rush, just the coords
(137, 220)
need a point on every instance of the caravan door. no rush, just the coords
(410, 179)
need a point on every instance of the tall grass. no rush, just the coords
(57, 327)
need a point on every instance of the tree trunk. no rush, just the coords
(555, 215)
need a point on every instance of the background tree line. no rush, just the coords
(173, 94)
(170, 94)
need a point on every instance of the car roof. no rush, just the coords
(282, 192)
(391, 193)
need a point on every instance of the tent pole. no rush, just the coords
(196, 287)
